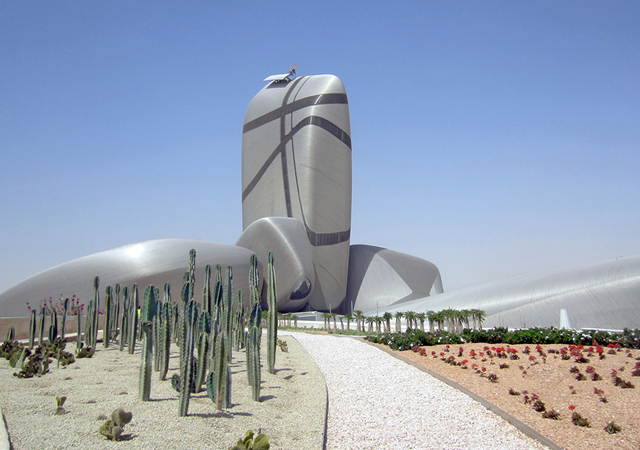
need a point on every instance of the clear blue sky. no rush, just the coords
(491, 138)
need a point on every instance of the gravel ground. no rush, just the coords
(379, 402)
(291, 413)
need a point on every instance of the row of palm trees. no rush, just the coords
(454, 321)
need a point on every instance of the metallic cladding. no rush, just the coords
(602, 295)
(151, 262)
(296, 163)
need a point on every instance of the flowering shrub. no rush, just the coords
(49, 306)
(577, 338)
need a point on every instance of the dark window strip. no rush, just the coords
(321, 99)
(320, 239)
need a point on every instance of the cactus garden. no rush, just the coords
(195, 370)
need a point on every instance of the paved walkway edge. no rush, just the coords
(523, 427)
(5, 443)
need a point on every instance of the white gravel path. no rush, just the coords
(379, 402)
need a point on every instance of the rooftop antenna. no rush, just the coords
(284, 77)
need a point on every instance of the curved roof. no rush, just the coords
(150, 262)
(602, 295)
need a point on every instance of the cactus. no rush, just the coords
(206, 294)
(113, 427)
(221, 371)
(204, 329)
(79, 335)
(254, 280)
(53, 328)
(272, 322)
(43, 313)
(11, 333)
(164, 342)
(106, 331)
(157, 319)
(94, 313)
(133, 321)
(64, 318)
(147, 360)
(253, 362)
(149, 303)
(228, 311)
(116, 312)
(124, 320)
(187, 362)
(32, 328)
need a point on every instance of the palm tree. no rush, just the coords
(421, 317)
(387, 316)
(399, 322)
(431, 316)
(335, 325)
(466, 314)
(370, 320)
(341, 318)
(478, 315)
(295, 321)
(378, 323)
(349, 318)
(410, 316)
(359, 317)
(326, 317)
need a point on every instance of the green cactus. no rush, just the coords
(124, 320)
(187, 362)
(221, 372)
(106, 330)
(53, 328)
(79, 335)
(254, 280)
(164, 343)
(64, 317)
(259, 442)
(253, 362)
(272, 322)
(94, 313)
(113, 427)
(32, 328)
(11, 333)
(206, 294)
(43, 313)
(133, 320)
(204, 329)
(115, 327)
(147, 361)
(157, 319)
(228, 312)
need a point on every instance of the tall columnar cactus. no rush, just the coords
(254, 280)
(11, 335)
(157, 320)
(95, 312)
(272, 322)
(253, 362)
(133, 321)
(238, 336)
(79, 335)
(147, 361)
(32, 328)
(64, 317)
(116, 312)
(206, 294)
(124, 327)
(106, 330)
(221, 371)
(43, 314)
(204, 328)
(228, 311)
(187, 362)
(53, 328)
(146, 327)
(164, 343)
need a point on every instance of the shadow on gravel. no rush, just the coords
(266, 397)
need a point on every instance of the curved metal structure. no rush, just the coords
(602, 295)
(296, 163)
(151, 262)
